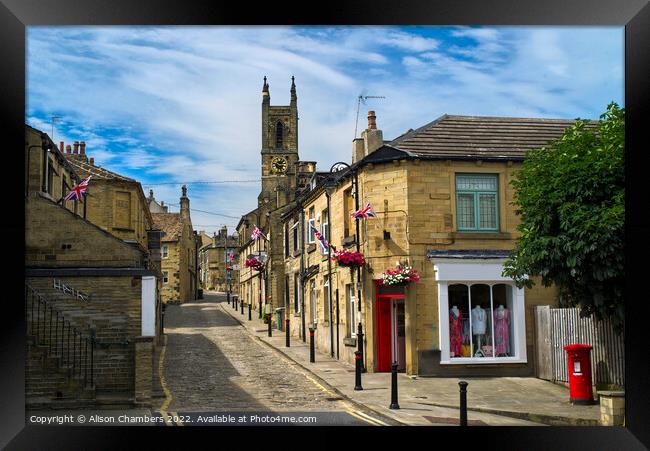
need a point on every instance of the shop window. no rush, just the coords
(313, 301)
(326, 300)
(480, 321)
(477, 206)
(296, 302)
(352, 311)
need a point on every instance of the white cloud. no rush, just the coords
(171, 104)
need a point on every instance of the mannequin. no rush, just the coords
(502, 330)
(455, 332)
(479, 323)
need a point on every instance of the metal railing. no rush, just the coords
(50, 329)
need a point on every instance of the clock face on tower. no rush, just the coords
(279, 165)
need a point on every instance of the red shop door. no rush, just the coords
(384, 337)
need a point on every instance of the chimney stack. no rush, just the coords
(82, 145)
(373, 138)
(372, 120)
(67, 148)
(214, 239)
(185, 205)
(76, 147)
(61, 147)
(92, 161)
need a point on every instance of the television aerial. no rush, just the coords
(362, 99)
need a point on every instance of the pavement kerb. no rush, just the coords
(551, 420)
(357, 404)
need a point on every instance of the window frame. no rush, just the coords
(352, 311)
(165, 277)
(475, 272)
(311, 221)
(164, 251)
(476, 203)
(325, 233)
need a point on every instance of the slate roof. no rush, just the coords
(84, 169)
(481, 136)
(170, 223)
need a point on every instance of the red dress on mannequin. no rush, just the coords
(455, 334)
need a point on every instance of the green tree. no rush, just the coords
(570, 197)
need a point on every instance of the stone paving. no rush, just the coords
(212, 363)
(425, 401)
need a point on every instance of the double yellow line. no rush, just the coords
(348, 408)
(168, 393)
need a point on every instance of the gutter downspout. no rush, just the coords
(301, 281)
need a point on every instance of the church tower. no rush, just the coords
(279, 150)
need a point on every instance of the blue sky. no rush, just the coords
(173, 105)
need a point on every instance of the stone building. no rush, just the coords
(218, 271)
(90, 298)
(179, 252)
(443, 201)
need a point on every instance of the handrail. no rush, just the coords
(67, 338)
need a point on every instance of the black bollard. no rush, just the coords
(357, 370)
(286, 326)
(393, 387)
(242, 307)
(268, 319)
(228, 298)
(312, 354)
(463, 403)
(250, 317)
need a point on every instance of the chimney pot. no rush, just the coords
(92, 161)
(372, 120)
(67, 148)
(61, 147)
(76, 147)
(82, 146)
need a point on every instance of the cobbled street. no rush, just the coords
(212, 363)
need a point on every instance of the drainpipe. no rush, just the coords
(301, 284)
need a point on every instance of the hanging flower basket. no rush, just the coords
(254, 264)
(349, 259)
(400, 276)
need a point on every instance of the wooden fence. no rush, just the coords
(557, 327)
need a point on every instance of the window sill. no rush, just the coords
(348, 240)
(311, 248)
(482, 360)
(296, 253)
(473, 235)
(350, 341)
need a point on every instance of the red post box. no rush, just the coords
(580, 389)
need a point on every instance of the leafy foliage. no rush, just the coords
(571, 201)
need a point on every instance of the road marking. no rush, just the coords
(165, 418)
(371, 419)
(176, 416)
(163, 384)
(296, 367)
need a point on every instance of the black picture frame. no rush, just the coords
(15, 15)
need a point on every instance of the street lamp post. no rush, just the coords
(330, 187)
(355, 186)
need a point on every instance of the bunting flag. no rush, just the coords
(364, 212)
(79, 190)
(323, 242)
(257, 233)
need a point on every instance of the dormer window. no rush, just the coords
(279, 135)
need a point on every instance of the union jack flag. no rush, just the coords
(257, 233)
(79, 190)
(365, 212)
(323, 242)
(231, 256)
